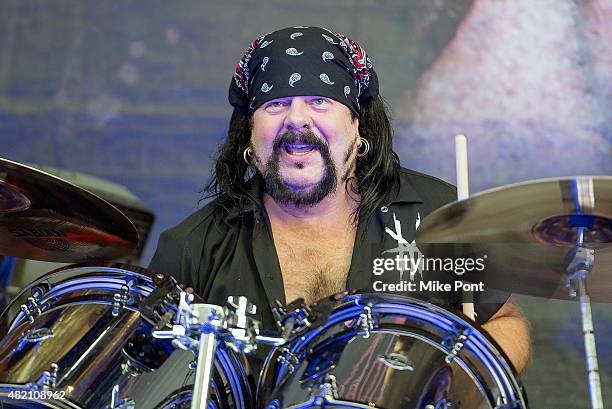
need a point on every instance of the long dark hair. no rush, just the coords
(377, 173)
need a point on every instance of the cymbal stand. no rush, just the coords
(579, 264)
(198, 327)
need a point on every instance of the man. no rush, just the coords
(308, 191)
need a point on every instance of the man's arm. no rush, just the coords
(510, 329)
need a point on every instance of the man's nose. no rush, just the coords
(298, 117)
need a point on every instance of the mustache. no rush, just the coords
(306, 138)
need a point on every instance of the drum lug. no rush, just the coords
(119, 300)
(293, 318)
(365, 322)
(40, 290)
(441, 404)
(455, 341)
(328, 390)
(31, 309)
(117, 403)
(129, 369)
(288, 358)
(47, 379)
(503, 404)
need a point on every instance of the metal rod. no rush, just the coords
(206, 362)
(579, 279)
(589, 345)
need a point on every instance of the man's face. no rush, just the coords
(304, 146)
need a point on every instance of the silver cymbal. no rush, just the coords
(43, 217)
(526, 230)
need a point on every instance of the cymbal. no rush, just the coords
(525, 231)
(43, 217)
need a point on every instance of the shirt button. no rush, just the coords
(384, 209)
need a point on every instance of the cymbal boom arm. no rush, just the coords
(580, 262)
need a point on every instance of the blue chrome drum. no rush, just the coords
(387, 351)
(82, 339)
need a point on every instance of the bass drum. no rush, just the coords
(387, 351)
(82, 339)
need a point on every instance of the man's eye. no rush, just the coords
(319, 101)
(276, 104)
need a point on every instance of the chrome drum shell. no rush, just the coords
(388, 351)
(85, 332)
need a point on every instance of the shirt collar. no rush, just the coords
(406, 192)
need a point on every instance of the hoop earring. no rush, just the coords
(247, 155)
(363, 142)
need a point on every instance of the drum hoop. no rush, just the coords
(349, 307)
(103, 276)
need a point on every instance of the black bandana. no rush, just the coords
(303, 61)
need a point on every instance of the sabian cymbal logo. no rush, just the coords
(35, 233)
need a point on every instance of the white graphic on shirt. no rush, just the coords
(264, 62)
(405, 249)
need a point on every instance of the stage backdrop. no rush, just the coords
(135, 92)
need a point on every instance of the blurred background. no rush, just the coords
(129, 99)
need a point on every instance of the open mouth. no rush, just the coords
(298, 149)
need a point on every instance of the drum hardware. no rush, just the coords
(243, 332)
(129, 369)
(402, 363)
(198, 327)
(579, 266)
(365, 322)
(98, 351)
(144, 353)
(443, 404)
(116, 403)
(120, 299)
(324, 360)
(501, 404)
(39, 291)
(31, 309)
(327, 391)
(288, 358)
(293, 318)
(34, 336)
(454, 340)
(47, 379)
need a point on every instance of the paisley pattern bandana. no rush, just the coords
(298, 61)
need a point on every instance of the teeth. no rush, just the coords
(298, 149)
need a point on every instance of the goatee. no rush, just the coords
(286, 194)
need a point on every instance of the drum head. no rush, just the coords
(386, 351)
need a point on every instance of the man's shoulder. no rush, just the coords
(198, 222)
(180, 248)
(429, 189)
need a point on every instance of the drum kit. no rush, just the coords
(102, 334)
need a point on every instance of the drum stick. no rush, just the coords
(463, 191)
